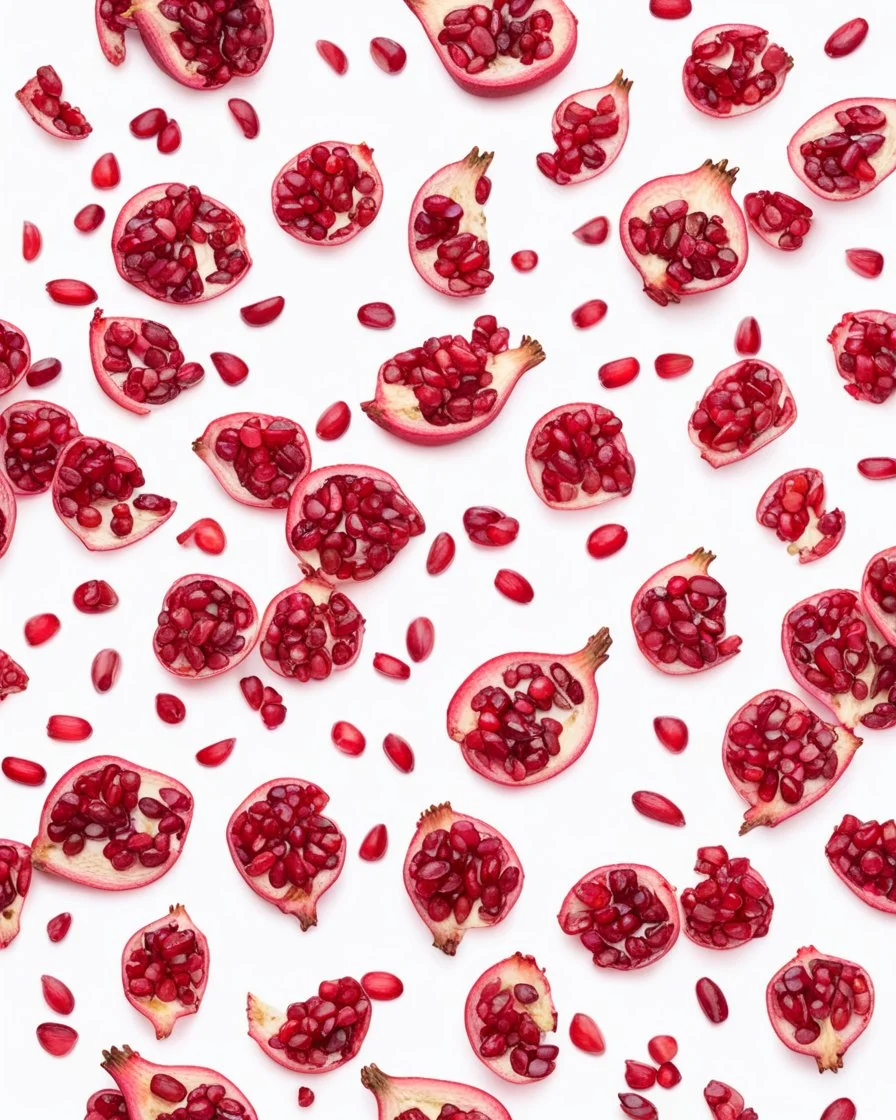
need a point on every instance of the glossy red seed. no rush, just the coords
(148, 123)
(105, 669)
(216, 753)
(169, 708)
(514, 586)
(23, 771)
(347, 738)
(71, 293)
(89, 218)
(593, 232)
(68, 729)
(56, 1038)
(40, 628)
(169, 138)
(846, 38)
(273, 711)
(668, 366)
(59, 926)
(441, 553)
(31, 241)
(388, 55)
(231, 369)
(637, 1107)
(58, 996)
(840, 1109)
(605, 540)
(877, 469)
(672, 732)
(487, 526)
(377, 316)
(420, 638)
(106, 173)
(586, 1034)
(747, 337)
(662, 1048)
(866, 262)
(264, 312)
(639, 1076)
(333, 56)
(391, 666)
(524, 260)
(206, 534)
(306, 1097)
(245, 116)
(670, 9)
(712, 1000)
(588, 314)
(399, 753)
(374, 844)
(658, 808)
(619, 372)
(668, 1076)
(94, 597)
(43, 372)
(253, 690)
(333, 422)
(382, 985)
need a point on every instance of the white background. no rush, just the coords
(316, 353)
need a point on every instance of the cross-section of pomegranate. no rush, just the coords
(864, 344)
(794, 507)
(32, 433)
(747, 406)
(310, 630)
(328, 193)
(847, 149)
(589, 129)
(732, 69)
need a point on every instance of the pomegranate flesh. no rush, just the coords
(328, 193)
(15, 356)
(258, 459)
(731, 906)
(589, 130)
(309, 631)
(15, 878)
(847, 149)
(32, 434)
(747, 406)
(206, 626)
(879, 592)
(13, 677)
(863, 855)
(781, 221)
(41, 98)
(732, 70)
(726, 1103)
(420, 1098)
(864, 344)
(153, 1092)
(794, 507)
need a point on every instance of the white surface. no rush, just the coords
(316, 353)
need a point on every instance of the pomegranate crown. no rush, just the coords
(721, 169)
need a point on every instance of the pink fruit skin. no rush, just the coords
(134, 1077)
(825, 123)
(395, 1095)
(11, 913)
(7, 515)
(690, 79)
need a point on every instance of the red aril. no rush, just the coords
(382, 985)
(672, 732)
(388, 55)
(333, 55)
(216, 753)
(71, 293)
(847, 38)
(619, 372)
(662, 1048)
(399, 752)
(392, 667)
(794, 507)
(169, 138)
(206, 626)
(89, 218)
(32, 433)
(514, 586)
(333, 422)
(40, 628)
(59, 926)
(668, 1076)
(328, 194)
(373, 846)
(164, 970)
(441, 552)
(253, 691)
(149, 123)
(733, 70)
(317, 1034)
(668, 366)
(639, 1076)
(588, 314)
(206, 534)
(94, 597)
(57, 1039)
(606, 540)
(490, 527)
(840, 1109)
(105, 669)
(747, 406)
(866, 262)
(731, 906)
(231, 369)
(41, 98)
(378, 316)
(726, 1103)
(589, 129)
(257, 458)
(306, 1097)
(309, 631)
(658, 808)
(637, 1107)
(712, 1000)
(670, 9)
(273, 710)
(170, 709)
(877, 469)
(420, 638)
(585, 1034)
(42, 372)
(106, 173)
(245, 116)
(861, 854)
(593, 232)
(68, 729)
(864, 344)
(263, 312)
(847, 149)
(347, 738)
(781, 221)
(747, 337)
(524, 260)
(31, 241)
(24, 771)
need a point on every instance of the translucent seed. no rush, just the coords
(672, 732)
(668, 366)
(382, 985)
(842, 42)
(264, 312)
(374, 844)
(391, 666)
(333, 56)
(377, 316)
(658, 808)
(593, 232)
(712, 1000)
(388, 55)
(514, 586)
(399, 753)
(524, 260)
(747, 337)
(586, 1034)
(606, 540)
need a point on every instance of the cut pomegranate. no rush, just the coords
(712, 1002)
(670, 9)
(406, 1098)
(589, 314)
(15, 356)
(420, 638)
(15, 878)
(107, 1104)
(310, 631)
(32, 433)
(89, 218)
(258, 459)
(877, 469)
(31, 241)
(150, 122)
(284, 848)
(106, 173)
(672, 733)
(585, 1034)
(514, 586)
(450, 387)
(847, 149)
(41, 628)
(94, 597)
(112, 825)
(373, 847)
(399, 752)
(179, 245)
(879, 592)
(842, 42)
(781, 221)
(731, 906)
(57, 995)
(658, 808)
(662, 1048)
(726, 1103)
(625, 915)
(382, 985)
(376, 316)
(105, 669)
(170, 709)
(733, 70)
(206, 534)
(68, 729)
(639, 1076)
(594, 232)
(606, 540)
(840, 1109)
(460, 874)
(245, 116)
(263, 312)
(524, 260)
(866, 262)
(678, 617)
(589, 130)
(447, 236)
(215, 753)
(333, 55)
(819, 1005)
(41, 98)
(637, 1107)
(522, 718)
(864, 344)
(23, 771)
(748, 336)
(388, 55)
(13, 677)
(58, 927)
(794, 507)
(509, 1015)
(619, 372)
(71, 293)
(668, 366)
(42, 372)
(328, 193)
(206, 626)
(863, 855)
(333, 422)
(347, 738)
(56, 1038)
(441, 554)
(685, 234)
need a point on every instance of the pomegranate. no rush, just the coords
(678, 617)
(350, 521)
(450, 387)
(41, 98)
(164, 970)
(447, 236)
(15, 878)
(13, 677)
(732, 70)
(863, 855)
(794, 507)
(489, 527)
(460, 874)
(833, 650)
(497, 724)
(257, 458)
(577, 457)
(206, 626)
(310, 630)
(284, 848)
(864, 344)
(781, 221)
(7, 524)
(589, 130)
(508, 1015)
(15, 356)
(179, 245)
(153, 1092)
(879, 592)
(111, 824)
(726, 1103)
(747, 406)
(625, 915)
(781, 757)
(420, 1098)
(819, 1005)
(499, 48)
(32, 433)
(328, 193)
(316, 1035)
(847, 149)
(731, 906)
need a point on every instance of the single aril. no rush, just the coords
(31, 241)
(625, 915)
(670, 9)
(376, 316)
(170, 709)
(669, 366)
(731, 906)
(419, 1098)
(819, 1005)
(94, 597)
(619, 372)
(794, 507)
(589, 130)
(333, 422)
(306, 1097)
(840, 1109)
(150, 122)
(15, 878)
(441, 554)
(877, 469)
(42, 372)
(389, 56)
(253, 691)
(879, 592)
(863, 855)
(106, 173)
(258, 459)
(57, 1039)
(333, 55)
(733, 69)
(712, 1001)
(780, 220)
(392, 667)
(24, 771)
(864, 344)
(231, 369)
(215, 753)
(399, 752)
(420, 638)
(309, 631)
(678, 617)
(662, 1048)
(13, 677)
(638, 1075)
(71, 293)
(606, 540)
(58, 996)
(382, 985)
(524, 260)
(589, 314)
(585, 1034)
(89, 218)
(866, 262)
(747, 337)
(206, 534)
(487, 526)
(68, 729)
(110, 824)
(206, 626)
(847, 149)
(328, 193)
(373, 846)
(245, 116)
(32, 433)
(514, 586)
(41, 98)
(347, 738)
(447, 237)
(15, 356)
(169, 138)
(450, 387)
(263, 312)
(672, 732)
(668, 1076)
(41, 628)
(460, 874)
(726, 1103)
(593, 232)
(58, 927)
(105, 669)
(657, 807)
(637, 1107)
(164, 970)
(284, 848)
(847, 38)
(178, 245)
(685, 234)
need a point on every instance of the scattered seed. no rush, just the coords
(253, 690)
(169, 708)
(420, 638)
(206, 534)
(514, 586)
(169, 138)
(306, 1097)
(374, 844)
(877, 469)
(712, 1000)
(68, 729)
(231, 369)
(216, 753)
(105, 669)
(347, 738)
(71, 293)
(441, 553)
(23, 771)
(31, 241)
(668, 1076)
(673, 734)
(840, 1109)
(524, 260)
(377, 316)
(866, 262)
(59, 926)
(639, 1076)
(747, 337)
(399, 753)
(668, 366)
(94, 597)
(56, 1038)
(605, 540)
(334, 421)
(844, 41)
(615, 374)
(89, 218)
(662, 1048)
(593, 232)
(40, 628)
(333, 56)
(637, 1107)
(382, 985)
(586, 1034)
(57, 995)
(106, 173)
(658, 808)
(245, 116)
(670, 9)
(273, 710)
(43, 372)
(388, 55)
(391, 666)
(588, 314)
(264, 312)
(148, 123)
(490, 527)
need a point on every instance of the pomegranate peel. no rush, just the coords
(15, 878)
(879, 592)
(747, 406)
(41, 98)
(7, 526)
(408, 1098)
(257, 458)
(864, 344)
(310, 630)
(151, 1091)
(862, 854)
(733, 70)
(589, 129)
(206, 626)
(328, 193)
(846, 150)
(794, 507)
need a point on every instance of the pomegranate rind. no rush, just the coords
(877, 901)
(838, 339)
(824, 123)
(180, 667)
(112, 41)
(320, 591)
(5, 326)
(613, 145)
(811, 544)
(44, 122)
(133, 1076)
(395, 1095)
(886, 623)
(5, 418)
(723, 60)
(11, 913)
(265, 1021)
(8, 513)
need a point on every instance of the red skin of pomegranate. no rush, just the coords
(865, 382)
(861, 855)
(346, 225)
(163, 1014)
(754, 424)
(21, 361)
(714, 48)
(399, 1095)
(13, 888)
(503, 75)
(568, 116)
(135, 1077)
(882, 161)
(786, 513)
(7, 518)
(181, 666)
(508, 975)
(707, 190)
(33, 88)
(89, 866)
(571, 676)
(33, 466)
(345, 629)
(832, 1041)
(877, 593)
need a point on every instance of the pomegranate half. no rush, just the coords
(309, 631)
(879, 592)
(794, 507)
(732, 70)
(32, 433)
(153, 1092)
(15, 878)
(206, 626)
(7, 518)
(328, 193)
(847, 149)
(864, 344)
(589, 130)
(728, 908)
(410, 1098)
(863, 855)
(15, 356)
(258, 459)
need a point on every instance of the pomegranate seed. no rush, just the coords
(586, 1034)
(106, 173)
(605, 540)
(388, 55)
(105, 669)
(658, 808)
(264, 312)
(668, 1076)
(273, 711)
(373, 846)
(673, 734)
(57, 995)
(639, 1076)
(40, 628)
(333, 56)
(72, 293)
(670, 9)
(391, 666)
(842, 1108)
(593, 232)
(148, 123)
(382, 985)
(43, 372)
(441, 553)
(866, 262)
(877, 468)
(216, 753)
(377, 316)
(23, 771)
(31, 241)
(348, 738)
(588, 314)
(231, 369)
(306, 1097)
(637, 1107)
(399, 753)
(662, 1048)
(68, 729)
(524, 260)
(56, 1038)
(668, 366)
(844, 41)
(615, 374)
(712, 1000)
(94, 597)
(206, 534)
(59, 926)
(169, 138)
(253, 690)
(747, 337)
(514, 586)
(334, 421)
(89, 218)
(245, 116)
(490, 527)
(420, 639)
(170, 709)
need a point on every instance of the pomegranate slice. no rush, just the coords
(781, 757)
(577, 457)
(794, 507)
(107, 1104)
(625, 915)
(410, 1098)
(732, 70)
(41, 98)
(32, 433)
(206, 626)
(731, 906)
(819, 1005)
(589, 130)
(496, 49)
(310, 631)
(15, 878)
(781, 221)
(879, 592)
(847, 149)
(449, 387)
(164, 970)
(15, 356)
(447, 237)
(508, 1015)
(350, 521)
(179, 245)
(833, 650)
(864, 345)
(522, 718)
(863, 855)
(151, 1092)
(460, 874)
(111, 824)
(316, 1035)
(13, 677)
(7, 522)
(328, 193)
(747, 406)
(257, 458)
(726, 1103)
(678, 617)
(284, 848)
(685, 234)
(95, 478)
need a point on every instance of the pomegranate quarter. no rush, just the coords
(410, 1098)
(847, 149)
(733, 70)
(589, 130)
